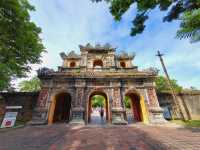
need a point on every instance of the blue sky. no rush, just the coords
(67, 23)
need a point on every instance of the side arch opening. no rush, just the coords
(137, 110)
(133, 108)
(60, 109)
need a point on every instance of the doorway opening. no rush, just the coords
(61, 108)
(98, 108)
(133, 108)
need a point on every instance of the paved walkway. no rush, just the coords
(64, 137)
(96, 119)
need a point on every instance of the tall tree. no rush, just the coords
(31, 85)
(20, 44)
(162, 85)
(187, 11)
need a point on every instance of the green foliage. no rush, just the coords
(162, 85)
(20, 44)
(31, 85)
(127, 102)
(185, 10)
(190, 26)
(98, 101)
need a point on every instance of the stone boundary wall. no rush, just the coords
(25, 99)
(189, 103)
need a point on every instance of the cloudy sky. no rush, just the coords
(67, 23)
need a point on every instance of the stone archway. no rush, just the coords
(60, 108)
(89, 105)
(138, 107)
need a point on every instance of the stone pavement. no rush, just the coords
(132, 137)
(96, 118)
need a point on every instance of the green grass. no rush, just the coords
(190, 123)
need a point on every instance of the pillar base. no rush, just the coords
(77, 116)
(39, 117)
(118, 116)
(156, 115)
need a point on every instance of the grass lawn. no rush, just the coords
(190, 123)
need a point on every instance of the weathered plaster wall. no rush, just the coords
(189, 102)
(24, 99)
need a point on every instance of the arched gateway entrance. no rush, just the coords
(100, 69)
(60, 108)
(91, 110)
(138, 112)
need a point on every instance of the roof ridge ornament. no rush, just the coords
(152, 70)
(63, 55)
(72, 54)
(124, 55)
(97, 46)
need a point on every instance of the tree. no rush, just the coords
(162, 85)
(190, 25)
(98, 101)
(31, 85)
(20, 44)
(187, 11)
(127, 102)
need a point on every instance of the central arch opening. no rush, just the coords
(133, 108)
(62, 108)
(98, 108)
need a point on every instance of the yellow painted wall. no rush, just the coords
(144, 112)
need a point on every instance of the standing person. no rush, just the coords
(102, 112)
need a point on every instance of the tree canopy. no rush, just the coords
(162, 85)
(187, 11)
(98, 101)
(20, 44)
(31, 85)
